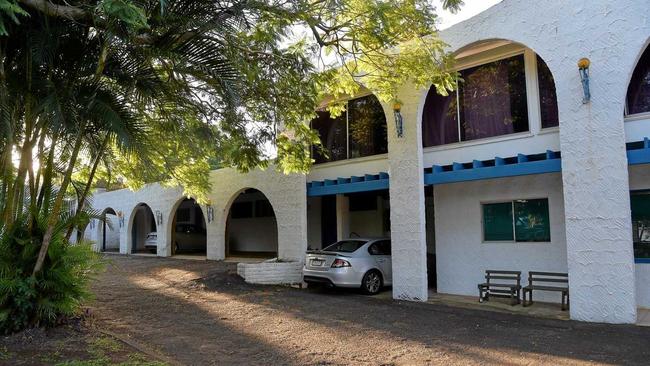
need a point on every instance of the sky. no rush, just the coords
(471, 8)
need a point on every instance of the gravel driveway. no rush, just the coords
(201, 313)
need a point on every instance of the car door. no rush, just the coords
(380, 252)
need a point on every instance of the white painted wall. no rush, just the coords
(461, 255)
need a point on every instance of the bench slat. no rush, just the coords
(502, 278)
(546, 288)
(556, 274)
(548, 280)
(504, 272)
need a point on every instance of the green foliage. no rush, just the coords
(125, 11)
(55, 292)
(9, 9)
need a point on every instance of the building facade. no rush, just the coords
(516, 170)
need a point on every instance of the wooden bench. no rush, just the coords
(507, 285)
(547, 281)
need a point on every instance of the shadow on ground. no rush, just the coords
(203, 313)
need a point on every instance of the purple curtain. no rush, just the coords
(493, 99)
(547, 96)
(439, 119)
(638, 92)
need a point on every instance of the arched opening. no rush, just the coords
(359, 131)
(109, 231)
(144, 238)
(504, 90)
(188, 229)
(251, 227)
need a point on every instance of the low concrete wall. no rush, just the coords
(271, 272)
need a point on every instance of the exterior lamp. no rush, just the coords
(158, 217)
(210, 212)
(399, 122)
(583, 68)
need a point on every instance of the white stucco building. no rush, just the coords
(514, 171)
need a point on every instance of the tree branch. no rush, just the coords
(54, 10)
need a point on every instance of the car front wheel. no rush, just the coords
(371, 283)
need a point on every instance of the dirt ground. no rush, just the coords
(200, 313)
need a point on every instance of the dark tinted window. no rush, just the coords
(638, 92)
(492, 99)
(362, 127)
(640, 203)
(332, 132)
(183, 214)
(547, 96)
(381, 247)
(367, 127)
(440, 119)
(345, 246)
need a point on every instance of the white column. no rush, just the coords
(409, 250)
(596, 200)
(342, 217)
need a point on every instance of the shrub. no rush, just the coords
(52, 294)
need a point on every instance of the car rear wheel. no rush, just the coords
(371, 282)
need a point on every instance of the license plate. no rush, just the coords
(316, 262)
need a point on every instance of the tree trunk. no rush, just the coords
(54, 213)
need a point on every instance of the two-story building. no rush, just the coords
(517, 169)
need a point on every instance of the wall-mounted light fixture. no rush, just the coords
(399, 122)
(158, 217)
(120, 216)
(210, 212)
(583, 69)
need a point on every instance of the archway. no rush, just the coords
(251, 226)
(143, 230)
(109, 231)
(188, 229)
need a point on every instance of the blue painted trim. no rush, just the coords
(641, 260)
(639, 156)
(500, 170)
(354, 184)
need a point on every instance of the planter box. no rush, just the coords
(271, 272)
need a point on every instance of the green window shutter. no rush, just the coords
(497, 222)
(532, 220)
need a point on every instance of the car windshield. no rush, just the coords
(345, 246)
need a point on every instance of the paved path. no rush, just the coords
(200, 313)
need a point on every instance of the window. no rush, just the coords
(519, 221)
(365, 201)
(381, 247)
(547, 96)
(490, 101)
(359, 131)
(345, 246)
(640, 203)
(638, 92)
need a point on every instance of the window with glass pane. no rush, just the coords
(640, 203)
(492, 99)
(440, 119)
(497, 222)
(333, 136)
(532, 220)
(638, 92)
(547, 96)
(367, 127)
